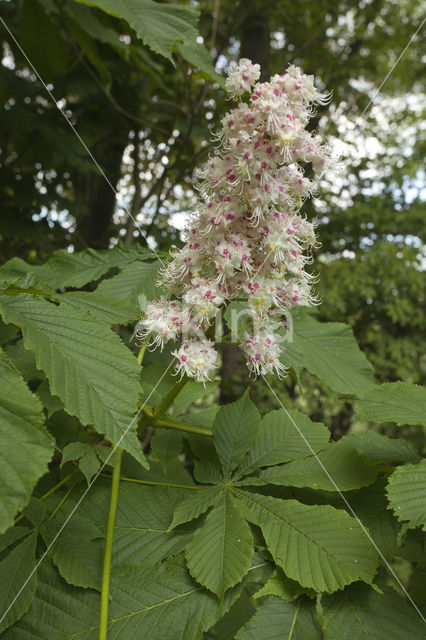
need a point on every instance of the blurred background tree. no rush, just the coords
(147, 121)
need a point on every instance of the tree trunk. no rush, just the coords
(94, 196)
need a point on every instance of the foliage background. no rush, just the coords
(146, 105)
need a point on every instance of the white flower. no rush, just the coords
(163, 321)
(263, 353)
(248, 240)
(197, 358)
(242, 77)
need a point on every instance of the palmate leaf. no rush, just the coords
(64, 269)
(407, 493)
(335, 468)
(279, 620)
(25, 449)
(235, 428)
(318, 546)
(393, 402)
(279, 440)
(330, 351)
(146, 604)
(15, 572)
(227, 538)
(359, 612)
(87, 365)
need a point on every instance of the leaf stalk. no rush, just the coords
(106, 573)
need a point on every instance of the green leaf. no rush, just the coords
(161, 603)
(281, 586)
(142, 534)
(318, 546)
(417, 585)
(15, 572)
(89, 21)
(359, 612)
(156, 382)
(78, 550)
(370, 505)
(79, 561)
(191, 392)
(51, 403)
(227, 538)
(25, 446)
(58, 611)
(147, 604)
(64, 269)
(380, 448)
(280, 441)
(89, 48)
(160, 26)
(88, 461)
(35, 511)
(7, 331)
(23, 360)
(336, 467)
(331, 352)
(35, 23)
(106, 309)
(203, 417)
(166, 445)
(199, 56)
(134, 280)
(12, 535)
(240, 612)
(393, 402)
(278, 620)
(407, 493)
(194, 504)
(235, 427)
(87, 365)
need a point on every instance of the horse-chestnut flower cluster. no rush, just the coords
(248, 240)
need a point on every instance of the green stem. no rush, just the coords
(57, 486)
(170, 423)
(159, 484)
(103, 616)
(52, 490)
(168, 399)
(141, 352)
(63, 499)
(147, 411)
